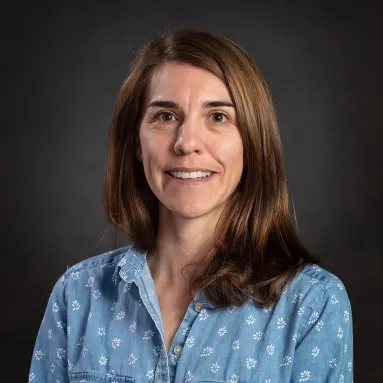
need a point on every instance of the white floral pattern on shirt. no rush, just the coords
(105, 310)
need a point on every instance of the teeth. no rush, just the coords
(192, 175)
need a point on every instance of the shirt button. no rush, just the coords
(198, 306)
(177, 350)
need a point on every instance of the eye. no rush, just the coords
(165, 117)
(219, 117)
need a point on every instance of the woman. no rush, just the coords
(215, 286)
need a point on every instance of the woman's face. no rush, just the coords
(191, 148)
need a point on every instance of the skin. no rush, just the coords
(188, 134)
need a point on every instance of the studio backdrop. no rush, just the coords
(63, 65)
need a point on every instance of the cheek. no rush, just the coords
(230, 150)
(148, 147)
(153, 154)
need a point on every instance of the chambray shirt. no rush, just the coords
(103, 324)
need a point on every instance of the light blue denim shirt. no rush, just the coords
(103, 324)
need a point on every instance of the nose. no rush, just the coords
(188, 139)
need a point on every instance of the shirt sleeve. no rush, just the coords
(49, 360)
(324, 352)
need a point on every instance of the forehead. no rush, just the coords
(183, 81)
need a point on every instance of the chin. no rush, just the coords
(192, 212)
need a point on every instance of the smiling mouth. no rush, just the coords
(190, 175)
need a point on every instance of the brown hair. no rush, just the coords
(256, 250)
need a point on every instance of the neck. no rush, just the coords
(180, 242)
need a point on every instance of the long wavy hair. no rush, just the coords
(256, 249)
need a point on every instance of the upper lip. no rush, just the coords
(189, 170)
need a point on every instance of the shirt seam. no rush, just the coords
(325, 284)
(110, 262)
(318, 299)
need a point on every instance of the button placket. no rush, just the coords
(177, 350)
(180, 338)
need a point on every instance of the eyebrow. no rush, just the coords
(175, 105)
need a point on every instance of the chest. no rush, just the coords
(200, 345)
(173, 308)
(222, 345)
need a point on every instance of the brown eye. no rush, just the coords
(165, 117)
(219, 117)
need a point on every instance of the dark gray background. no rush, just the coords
(63, 64)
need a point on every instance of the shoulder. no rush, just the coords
(99, 266)
(315, 294)
(99, 261)
(316, 274)
(315, 285)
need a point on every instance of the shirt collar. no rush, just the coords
(201, 297)
(131, 264)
